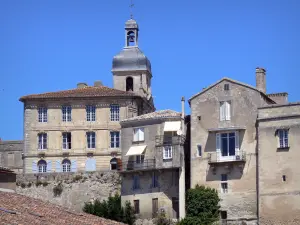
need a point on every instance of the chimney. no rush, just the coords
(98, 83)
(82, 85)
(182, 113)
(261, 79)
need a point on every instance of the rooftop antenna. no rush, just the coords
(131, 7)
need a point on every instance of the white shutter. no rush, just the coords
(49, 166)
(218, 142)
(73, 166)
(136, 134)
(227, 104)
(58, 167)
(237, 142)
(34, 166)
(141, 134)
(222, 111)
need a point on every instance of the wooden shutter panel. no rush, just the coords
(237, 142)
(228, 111)
(34, 166)
(222, 111)
(136, 134)
(73, 166)
(93, 164)
(88, 165)
(141, 134)
(218, 142)
(58, 166)
(49, 166)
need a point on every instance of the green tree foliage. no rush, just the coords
(202, 206)
(111, 209)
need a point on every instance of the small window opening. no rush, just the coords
(223, 215)
(129, 84)
(130, 38)
(226, 87)
(199, 148)
(113, 164)
(224, 184)
(284, 178)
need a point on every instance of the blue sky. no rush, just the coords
(52, 45)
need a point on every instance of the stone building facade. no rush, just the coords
(152, 164)
(11, 155)
(79, 129)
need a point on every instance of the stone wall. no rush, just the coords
(77, 188)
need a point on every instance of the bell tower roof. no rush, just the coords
(131, 24)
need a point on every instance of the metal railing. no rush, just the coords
(217, 157)
(169, 140)
(136, 166)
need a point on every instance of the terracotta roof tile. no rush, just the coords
(80, 93)
(18, 209)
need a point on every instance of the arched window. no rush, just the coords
(129, 84)
(114, 164)
(130, 38)
(66, 165)
(42, 166)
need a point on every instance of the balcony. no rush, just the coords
(161, 140)
(147, 164)
(217, 158)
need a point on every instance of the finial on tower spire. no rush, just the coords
(131, 7)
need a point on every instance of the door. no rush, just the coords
(175, 207)
(228, 146)
(154, 207)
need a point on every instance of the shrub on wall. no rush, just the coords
(111, 209)
(57, 190)
(202, 206)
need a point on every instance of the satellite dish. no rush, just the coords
(179, 132)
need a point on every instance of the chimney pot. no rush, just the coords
(82, 85)
(261, 79)
(98, 83)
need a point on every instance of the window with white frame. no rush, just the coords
(167, 153)
(139, 159)
(91, 113)
(225, 110)
(66, 165)
(42, 166)
(283, 137)
(227, 145)
(66, 113)
(67, 140)
(91, 139)
(114, 112)
(138, 134)
(42, 141)
(115, 139)
(42, 111)
(224, 183)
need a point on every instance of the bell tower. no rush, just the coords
(131, 68)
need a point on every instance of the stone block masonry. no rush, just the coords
(76, 188)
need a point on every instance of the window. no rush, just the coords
(139, 159)
(42, 141)
(66, 113)
(42, 114)
(138, 134)
(91, 113)
(225, 110)
(66, 140)
(283, 178)
(154, 180)
(114, 112)
(136, 204)
(224, 184)
(167, 152)
(226, 87)
(66, 165)
(283, 138)
(129, 84)
(136, 182)
(154, 207)
(113, 164)
(91, 139)
(42, 166)
(227, 145)
(130, 38)
(115, 139)
(199, 148)
(223, 215)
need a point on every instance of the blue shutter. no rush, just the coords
(34, 166)
(49, 166)
(58, 166)
(73, 166)
(93, 164)
(88, 165)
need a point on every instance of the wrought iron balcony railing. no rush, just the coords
(218, 157)
(169, 140)
(136, 166)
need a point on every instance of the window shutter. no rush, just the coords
(141, 134)
(73, 166)
(218, 142)
(58, 166)
(88, 165)
(222, 111)
(237, 142)
(93, 164)
(34, 166)
(227, 110)
(136, 134)
(49, 166)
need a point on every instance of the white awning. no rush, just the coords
(136, 150)
(172, 126)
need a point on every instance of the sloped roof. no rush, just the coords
(233, 81)
(19, 209)
(84, 92)
(167, 113)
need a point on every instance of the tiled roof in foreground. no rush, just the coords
(89, 91)
(155, 115)
(19, 209)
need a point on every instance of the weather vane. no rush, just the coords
(131, 7)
